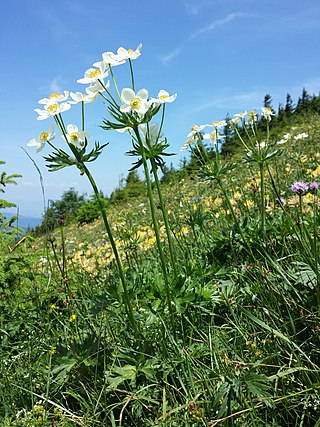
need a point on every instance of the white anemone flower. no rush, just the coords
(124, 54)
(97, 87)
(44, 137)
(213, 137)
(75, 137)
(137, 102)
(267, 113)
(110, 59)
(241, 115)
(52, 109)
(218, 124)
(83, 97)
(55, 97)
(163, 97)
(93, 74)
(149, 132)
(196, 129)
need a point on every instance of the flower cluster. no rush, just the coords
(301, 187)
(132, 104)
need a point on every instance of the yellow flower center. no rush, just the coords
(74, 136)
(44, 136)
(53, 108)
(94, 73)
(135, 103)
(130, 51)
(54, 95)
(163, 97)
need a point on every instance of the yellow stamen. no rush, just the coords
(130, 51)
(53, 108)
(135, 103)
(74, 136)
(54, 95)
(44, 136)
(163, 97)
(95, 73)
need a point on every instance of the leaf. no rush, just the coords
(125, 373)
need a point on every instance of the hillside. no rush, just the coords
(194, 302)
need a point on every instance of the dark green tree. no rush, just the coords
(289, 108)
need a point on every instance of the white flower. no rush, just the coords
(124, 54)
(213, 137)
(110, 58)
(93, 74)
(52, 109)
(267, 113)
(55, 98)
(252, 117)
(219, 124)
(40, 142)
(261, 145)
(75, 137)
(196, 129)
(233, 122)
(240, 115)
(301, 136)
(83, 97)
(134, 102)
(149, 132)
(163, 97)
(96, 87)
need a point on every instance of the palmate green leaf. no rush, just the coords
(258, 385)
(61, 372)
(119, 374)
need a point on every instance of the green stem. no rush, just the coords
(263, 207)
(132, 75)
(114, 82)
(315, 244)
(165, 218)
(114, 248)
(82, 116)
(155, 223)
(234, 216)
(127, 300)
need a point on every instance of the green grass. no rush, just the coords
(237, 345)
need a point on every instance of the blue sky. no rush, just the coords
(219, 56)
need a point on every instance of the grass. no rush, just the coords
(236, 342)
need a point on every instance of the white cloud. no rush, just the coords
(217, 23)
(168, 57)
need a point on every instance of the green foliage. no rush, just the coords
(240, 346)
(88, 212)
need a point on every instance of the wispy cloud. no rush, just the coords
(168, 57)
(217, 23)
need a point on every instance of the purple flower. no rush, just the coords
(314, 187)
(283, 201)
(299, 187)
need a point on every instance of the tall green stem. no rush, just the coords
(114, 248)
(165, 217)
(155, 223)
(84, 168)
(263, 202)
